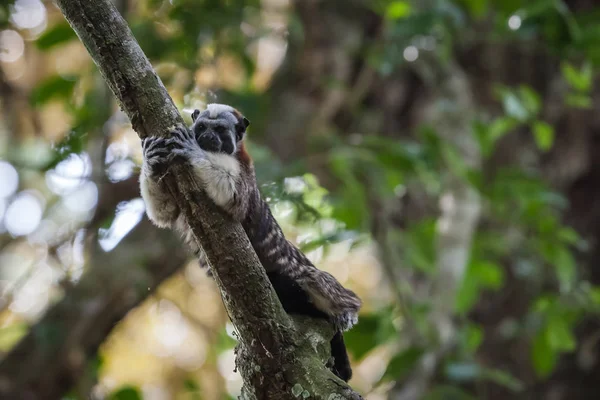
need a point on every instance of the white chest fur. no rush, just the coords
(219, 173)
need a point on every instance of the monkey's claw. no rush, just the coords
(159, 151)
(183, 143)
(181, 138)
(156, 154)
(345, 321)
(346, 315)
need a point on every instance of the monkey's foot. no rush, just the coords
(331, 297)
(345, 321)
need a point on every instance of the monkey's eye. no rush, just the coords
(219, 129)
(200, 127)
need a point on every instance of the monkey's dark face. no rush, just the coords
(219, 128)
(214, 136)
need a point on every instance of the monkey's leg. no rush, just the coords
(331, 297)
(296, 301)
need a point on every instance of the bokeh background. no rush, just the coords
(438, 157)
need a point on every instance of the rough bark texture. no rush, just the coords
(277, 357)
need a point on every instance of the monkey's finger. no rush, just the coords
(181, 132)
(156, 152)
(156, 143)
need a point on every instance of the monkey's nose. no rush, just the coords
(210, 142)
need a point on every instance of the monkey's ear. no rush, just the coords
(240, 127)
(195, 115)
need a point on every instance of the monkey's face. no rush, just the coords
(219, 129)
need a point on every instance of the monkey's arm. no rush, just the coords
(160, 206)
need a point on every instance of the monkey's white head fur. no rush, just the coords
(215, 109)
(220, 128)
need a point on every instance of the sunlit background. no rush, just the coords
(363, 169)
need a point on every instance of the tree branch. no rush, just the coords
(278, 358)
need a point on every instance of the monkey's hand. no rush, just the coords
(160, 206)
(184, 145)
(156, 156)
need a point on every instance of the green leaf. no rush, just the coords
(224, 341)
(530, 99)
(566, 269)
(569, 235)
(471, 337)
(402, 363)
(559, 336)
(58, 34)
(328, 239)
(54, 87)
(359, 339)
(537, 7)
(578, 100)
(420, 249)
(579, 80)
(520, 104)
(488, 133)
(467, 295)
(507, 6)
(502, 378)
(595, 295)
(11, 334)
(543, 356)
(397, 10)
(544, 135)
(191, 385)
(192, 388)
(480, 131)
(477, 8)
(126, 393)
(514, 107)
(501, 126)
(372, 330)
(479, 275)
(489, 274)
(544, 303)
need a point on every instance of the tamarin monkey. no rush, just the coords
(214, 148)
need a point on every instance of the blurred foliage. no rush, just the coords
(207, 50)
